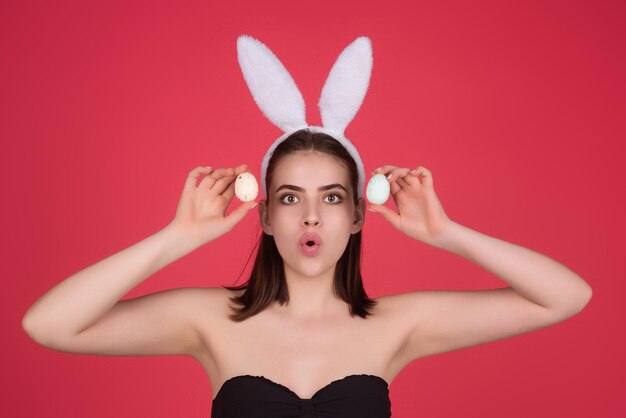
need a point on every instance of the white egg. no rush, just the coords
(378, 188)
(246, 187)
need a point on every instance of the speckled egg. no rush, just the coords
(246, 187)
(378, 188)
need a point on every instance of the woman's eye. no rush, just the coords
(282, 199)
(290, 198)
(335, 198)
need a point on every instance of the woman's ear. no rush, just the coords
(264, 217)
(359, 215)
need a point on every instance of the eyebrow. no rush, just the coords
(323, 188)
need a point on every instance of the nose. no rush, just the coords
(311, 222)
(311, 216)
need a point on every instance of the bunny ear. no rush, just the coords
(346, 85)
(271, 85)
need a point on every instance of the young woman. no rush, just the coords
(301, 337)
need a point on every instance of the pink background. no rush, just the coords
(516, 107)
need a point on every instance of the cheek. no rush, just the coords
(341, 218)
(283, 218)
(340, 230)
(285, 226)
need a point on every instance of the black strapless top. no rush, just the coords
(247, 396)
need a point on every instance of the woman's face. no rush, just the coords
(296, 205)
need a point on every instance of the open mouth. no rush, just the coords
(310, 248)
(310, 243)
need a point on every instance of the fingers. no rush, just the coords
(407, 181)
(386, 170)
(391, 172)
(228, 181)
(230, 187)
(192, 177)
(405, 177)
(221, 182)
(387, 213)
(425, 175)
(219, 179)
(239, 213)
(209, 181)
(398, 177)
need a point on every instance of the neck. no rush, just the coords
(311, 297)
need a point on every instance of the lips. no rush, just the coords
(310, 244)
(310, 237)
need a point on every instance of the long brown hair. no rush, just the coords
(267, 281)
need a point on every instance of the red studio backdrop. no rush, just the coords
(516, 107)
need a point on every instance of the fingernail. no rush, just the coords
(389, 177)
(255, 203)
(371, 210)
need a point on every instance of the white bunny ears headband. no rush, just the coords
(280, 100)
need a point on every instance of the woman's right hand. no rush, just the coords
(200, 215)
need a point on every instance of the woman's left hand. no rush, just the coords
(421, 215)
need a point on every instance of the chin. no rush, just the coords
(311, 267)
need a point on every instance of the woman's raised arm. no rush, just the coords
(83, 313)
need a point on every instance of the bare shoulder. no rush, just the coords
(396, 305)
(208, 302)
(211, 306)
(439, 321)
(393, 312)
(402, 315)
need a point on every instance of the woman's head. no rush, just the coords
(299, 166)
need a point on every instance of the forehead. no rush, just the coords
(310, 169)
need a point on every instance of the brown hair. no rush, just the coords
(267, 281)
